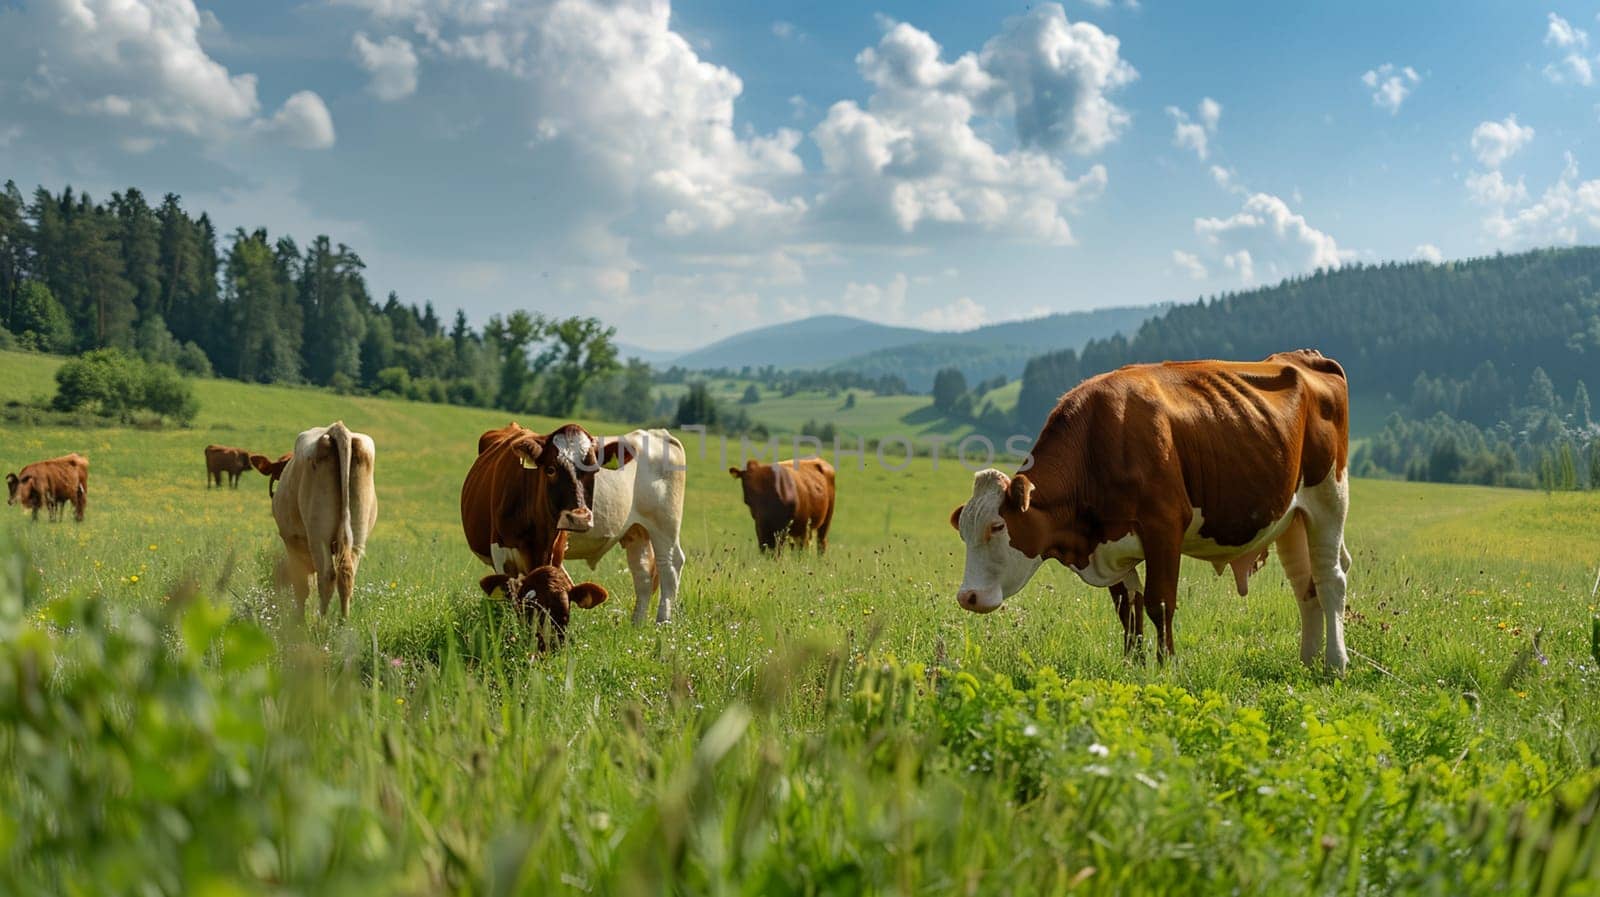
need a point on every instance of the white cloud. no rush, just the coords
(1189, 264)
(1195, 134)
(914, 155)
(1391, 85)
(1569, 40)
(391, 62)
(787, 31)
(1226, 178)
(1429, 253)
(889, 303)
(1266, 232)
(1567, 211)
(1496, 141)
(141, 62)
(1491, 188)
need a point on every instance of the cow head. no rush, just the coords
(769, 493)
(273, 470)
(11, 488)
(563, 463)
(999, 530)
(545, 595)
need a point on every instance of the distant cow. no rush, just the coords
(51, 485)
(222, 459)
(640, 504)
(544, 597)
(1216, 460)
(793, 498)
(273, 470)
(326, 512)
(525, 492)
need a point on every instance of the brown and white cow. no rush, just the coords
(790, 498)
(543, 598)
(525, 492)
(224, 459)
(639, 504)
(1216, 460)
(51, 485)
(325, 512)
(272, 470)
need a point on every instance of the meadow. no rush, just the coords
(805, 725)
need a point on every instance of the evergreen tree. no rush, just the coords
(949, 385)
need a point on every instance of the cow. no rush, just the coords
(1217, 460)
(223, 459)
(525, 492)
(326, 512)
(793, 498)
(272, 470)
(639, 504)
(544, 597)
(51, 485)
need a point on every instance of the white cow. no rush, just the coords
(325, 506)
(641, 506)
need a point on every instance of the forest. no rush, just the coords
(160, 283)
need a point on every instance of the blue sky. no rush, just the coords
(687, 171)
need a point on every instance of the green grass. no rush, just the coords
(873, 417)
(805, 725)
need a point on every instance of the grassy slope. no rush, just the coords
(1448, 584)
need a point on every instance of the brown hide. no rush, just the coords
(521, 494)
(545, 595)
(225, 459)
(51, 485)
(790, 499)
(272, 470)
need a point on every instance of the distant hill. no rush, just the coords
(845, 343)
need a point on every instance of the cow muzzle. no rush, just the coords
(577, 521)
(980, 601)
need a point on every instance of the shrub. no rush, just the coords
(40, 322)
(393, 382)
(192, 361)
(109, 383)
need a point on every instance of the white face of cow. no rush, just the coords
(995, 571)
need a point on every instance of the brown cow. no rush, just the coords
(525, 491)
(1216, 460)
(223, 459)
(545, 595)
(51, 485)
(793, 498)
(273, 470)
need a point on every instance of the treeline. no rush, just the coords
(160, 283)
(789, 382)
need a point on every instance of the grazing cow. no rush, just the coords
(639, 504)
(273, 470)
(545, 595)
(326, 512)
(223, 459)
(1216, 460)
(789, 497)
(51, 485)
(525, 492)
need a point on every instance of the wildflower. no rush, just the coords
(133, 578)
(152, 546)
(1099, 750)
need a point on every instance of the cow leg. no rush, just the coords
(642, 564)
(80, 501)
(292, 571)
(322, 559)
(1295, 556)
(669, 572)
(1123, 602)
(1131, 611)
(1162, 559)
(1325, 538)
(822, 532)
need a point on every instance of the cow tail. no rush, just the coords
(343, 547)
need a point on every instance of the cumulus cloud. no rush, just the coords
(1266, 234)
(787, 31)
(1194, 134)
(1390, 85)
(140, 62)
(1571, 43)
(1568, 210)
(1189, 264)
(914, 154)
(1491, 188)
(1496, 141)
(889, 303)
(1429, 253)
(392, 63)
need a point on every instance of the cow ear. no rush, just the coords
(735, 472)
(955, 518)
(615, 448)
(587, 595)
(783, 480)
(494, 581)
(1019, 493)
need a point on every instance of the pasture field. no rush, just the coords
(805, 725)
